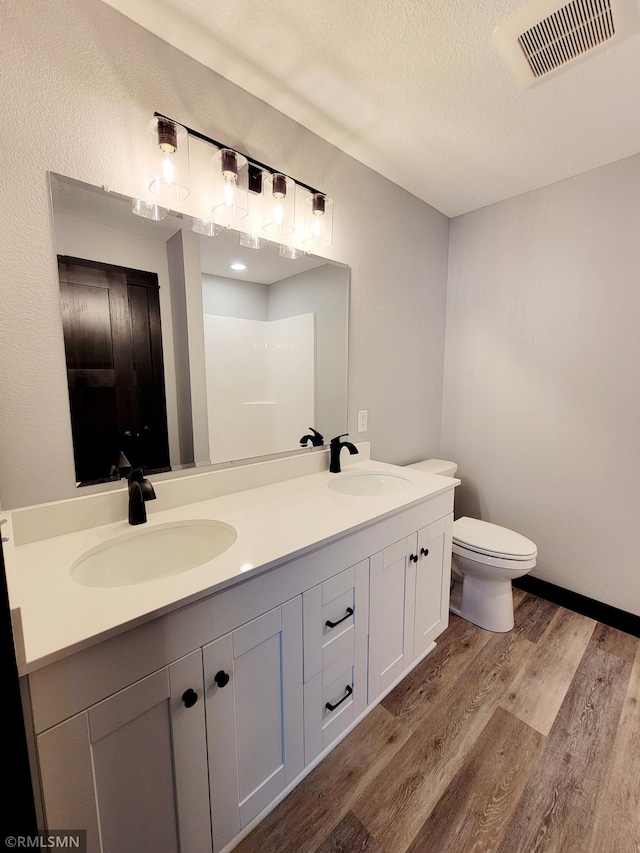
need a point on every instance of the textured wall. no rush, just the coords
(542, 387)
(78, 87)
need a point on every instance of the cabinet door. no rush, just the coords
(254, 718)
(190, 766)
(433, 573)
(391, 622)
(117, 769)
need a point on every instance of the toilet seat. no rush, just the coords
(510, 567)
(491, 541)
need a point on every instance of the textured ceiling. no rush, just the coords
(415, 89)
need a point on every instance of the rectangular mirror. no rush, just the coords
(176, 356)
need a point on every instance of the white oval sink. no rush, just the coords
(152, 553)
(369, 483)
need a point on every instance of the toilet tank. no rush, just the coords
(436, 466)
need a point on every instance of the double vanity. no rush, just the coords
(181, 676)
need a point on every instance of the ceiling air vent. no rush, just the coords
(544, 37)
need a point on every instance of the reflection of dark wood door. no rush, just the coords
(113, 343)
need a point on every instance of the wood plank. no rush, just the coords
(538, 690)
(394, 806)
(412, 700)
(615, 642)
(532, 617)
(309, 814)
(519, 596)
(555, 812)
(349, 836)
(618, 810)
(474, 811)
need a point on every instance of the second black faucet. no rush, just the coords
(140, 490)
(335, 447)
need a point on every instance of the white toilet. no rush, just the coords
(485, 558)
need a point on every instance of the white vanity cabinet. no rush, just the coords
(253, 685)
(219, 732)
(409, 601)
(177, 733)
(132, 769)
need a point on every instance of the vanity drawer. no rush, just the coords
(333, 699)
(335, 618)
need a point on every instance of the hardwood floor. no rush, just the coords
(514, 743)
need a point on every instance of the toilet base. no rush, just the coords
(487, 603)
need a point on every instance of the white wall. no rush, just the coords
(226, 297)
(541, 404)
(264, 403)
(79, 86)
(324, 292)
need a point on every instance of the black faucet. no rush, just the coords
(140, 490)
(336, 446)
(315, 438)
(121, 469)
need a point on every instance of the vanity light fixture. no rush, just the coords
(279, 199)
(290, 252)
(318, 230)
(206, 227)
(149, 210)
(239, 188)
(231, 190)
(252, 241)
(168, 159)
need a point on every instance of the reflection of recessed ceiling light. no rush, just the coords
(238, 266)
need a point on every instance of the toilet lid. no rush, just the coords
(491, 539)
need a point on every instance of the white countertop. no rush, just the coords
(274, 523)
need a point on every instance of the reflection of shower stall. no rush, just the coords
(260, 384)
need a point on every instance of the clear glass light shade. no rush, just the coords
(290, 252)
(318, 221)
(168, 159)
(149, 210)
(252, 241)
(279, 205)
(230, 188)
(206, 227)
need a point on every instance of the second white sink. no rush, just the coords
(153, 552)
(369, 483)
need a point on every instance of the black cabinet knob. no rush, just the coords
(424, 551)
(189, 697)
(221, 678)
(413, 557)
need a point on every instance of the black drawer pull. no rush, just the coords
(413, 558)
(346, 616)
(331, 707)
(424, 551)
